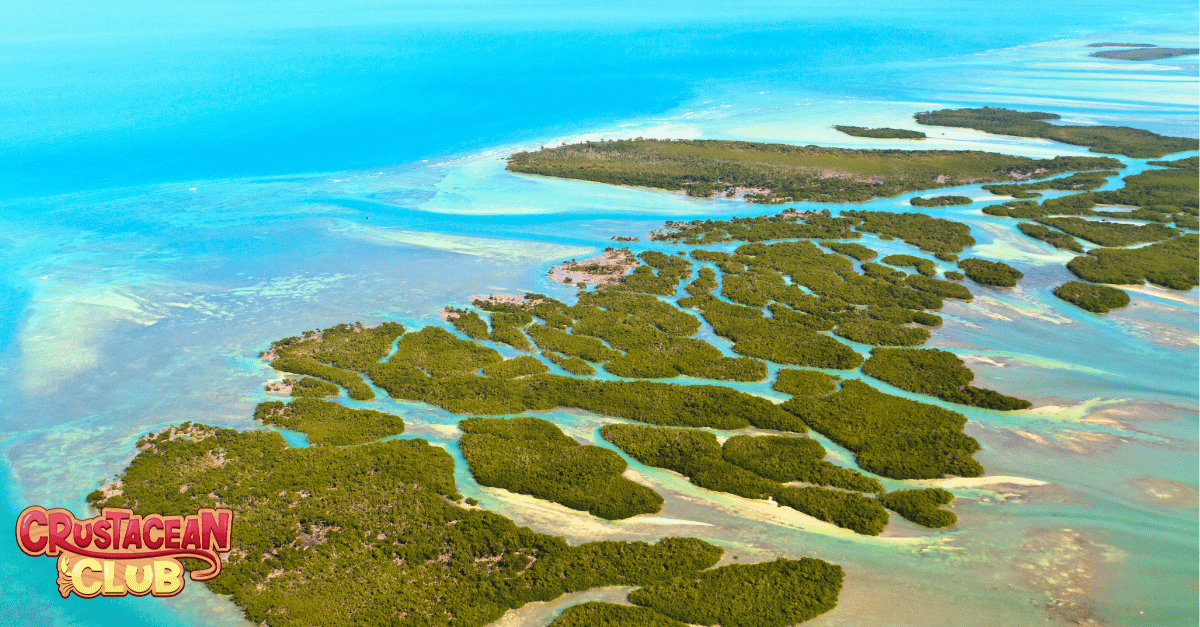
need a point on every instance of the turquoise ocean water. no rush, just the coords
(184, 184)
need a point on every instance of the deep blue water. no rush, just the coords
(214, 90)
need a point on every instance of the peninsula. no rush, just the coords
(776, 173)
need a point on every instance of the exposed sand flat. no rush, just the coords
(1191, 297)
(982, 482)
(658, 520)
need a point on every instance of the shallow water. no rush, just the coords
(165, 219)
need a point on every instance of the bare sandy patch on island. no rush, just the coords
(604, 269)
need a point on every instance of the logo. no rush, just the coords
(119, 553)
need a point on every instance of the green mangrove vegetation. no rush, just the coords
(930, 234)
(659, 274)
(787, 225)
(936, 373)
(353, 383)
(332, 354)
(891, 436)
(938, 287)
(880, 133)
(573, 365)
(1094, 298)
(329, 424)
(1172, 264)
(596, 614)
(851, 249)
(468, 322)
(771, 594)
(781, 172)
(1107, 233)
(582, 346)
(940, 201)
(319, 525)
(531, 456)
(881, 333)
(315, 388)
(516, 367)
(1121, 140)
(1166, 195)
(995, 273)
(698, 456)
(1056, 239)
(655, 338)
(781, 339)
(858, 513)
(805, 382)
(923, 266)
(785, 459)
(507, 321)
(1076, 182)
(922, 506)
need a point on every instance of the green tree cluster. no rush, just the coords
(805, 382)
(858, 513)
(353, 383)
(332, 354)
(881, 333)
(582, 346)
(516, 367)
(891, 436)
(1056, 239)
(507, 321)
(573, 365)
(468, 322)
(937, 287)
(922, 265)
(787, 225)
(880, 133)
(936, 373)
(786, 172)
(317, 526)
(654, 336)
(439, 353)
(1172, 264)
(1166, 195)
(851, 249)
(921, 506)
(645, 401)
(347, 346)
(934, 235)
(1121, 140)
(661, 274)
(597, 614)
(995, 273)
(1094, 298)
(1107, 233)
(532, 456)
(308, 386)
(1073, 183)
(940, 201)
(771, 594)
(734, 469)
(785, 459)
(821, 296)
(329, 424)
